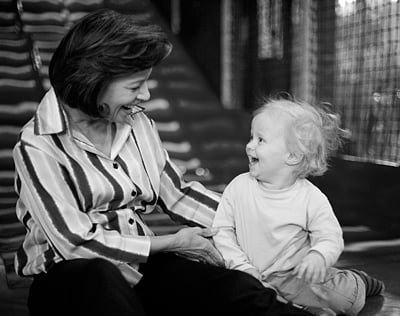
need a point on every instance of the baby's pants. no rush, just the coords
(343, 291)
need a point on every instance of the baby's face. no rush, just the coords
(267, 150)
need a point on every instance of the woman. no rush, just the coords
(88, 164)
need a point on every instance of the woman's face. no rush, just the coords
(123, 95)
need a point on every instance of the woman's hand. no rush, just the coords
(312, 268)
(193, 243)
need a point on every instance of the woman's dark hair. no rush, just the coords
(103, 45)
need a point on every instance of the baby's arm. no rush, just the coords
(226, 240)
(311, 268)
(326, 239)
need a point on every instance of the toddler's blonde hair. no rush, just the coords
(312, 133)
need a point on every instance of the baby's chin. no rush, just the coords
(258, 177)
(253, 170)
(254, 175)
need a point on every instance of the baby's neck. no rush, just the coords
(279, 184)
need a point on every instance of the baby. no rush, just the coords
(277, 226)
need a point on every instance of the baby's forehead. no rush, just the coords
(272, 124)
(273, 115)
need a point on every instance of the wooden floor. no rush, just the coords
(378, 254)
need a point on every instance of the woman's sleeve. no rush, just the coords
(225, 240)
(48, 194)
(326, 234)
(189, 203)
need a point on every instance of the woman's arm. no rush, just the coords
(185, 202)
(49, 195)
(192, 243)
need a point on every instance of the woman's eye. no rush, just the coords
(138, 87)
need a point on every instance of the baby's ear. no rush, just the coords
(294, 159)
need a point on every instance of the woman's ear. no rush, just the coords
(294, 159)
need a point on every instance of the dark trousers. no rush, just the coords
(171, 285)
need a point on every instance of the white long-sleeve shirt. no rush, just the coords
(272, 230)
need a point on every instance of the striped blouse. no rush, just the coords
(76, 202)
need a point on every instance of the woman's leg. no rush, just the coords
(83, 287)
(172, 285)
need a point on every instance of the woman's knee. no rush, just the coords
(87, 273)
(103, 282)
(242, 284)
(244, 278)
(100, 266)
(101, 271)
(74, 285)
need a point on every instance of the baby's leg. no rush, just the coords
(373, 286)
(343, 291)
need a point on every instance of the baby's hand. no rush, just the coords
(312, 268)
(254, 273)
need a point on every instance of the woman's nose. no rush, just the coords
(144, 93)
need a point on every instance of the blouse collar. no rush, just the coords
(50, 117)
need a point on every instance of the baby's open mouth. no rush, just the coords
(253, 160)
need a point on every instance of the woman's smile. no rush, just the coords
(123, 96)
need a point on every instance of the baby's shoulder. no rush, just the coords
(314, 194)
(240, 183)
(241, 179)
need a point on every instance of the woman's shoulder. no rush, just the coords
(30, 136)
(27, 132)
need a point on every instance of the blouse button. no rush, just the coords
(131, 221)
(133, 193)
(115, 165)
